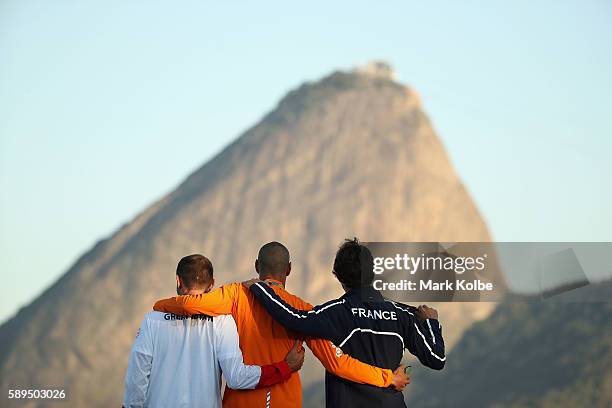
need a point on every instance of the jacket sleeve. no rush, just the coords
(139, 368)
(237, 374)
(345, 366)
(313, 323)
(423, 338)
(217, 302)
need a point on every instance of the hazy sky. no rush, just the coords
(106, 106)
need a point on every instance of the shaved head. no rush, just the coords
(273, 260)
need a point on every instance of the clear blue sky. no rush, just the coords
(105, 106)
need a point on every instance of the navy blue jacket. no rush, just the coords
(368, 327)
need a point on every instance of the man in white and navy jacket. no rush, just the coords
(363, 324)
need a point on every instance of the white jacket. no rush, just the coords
(177, 362)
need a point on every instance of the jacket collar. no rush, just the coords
(274, 282)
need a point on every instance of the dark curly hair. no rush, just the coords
(354, 264)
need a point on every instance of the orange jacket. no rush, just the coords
(263, 341)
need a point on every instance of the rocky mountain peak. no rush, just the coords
(352, 154)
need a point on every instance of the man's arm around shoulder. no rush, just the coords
(214, 303)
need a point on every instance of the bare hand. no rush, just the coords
(400, 378)
(248, 283)
(295, 357)
(426, 312)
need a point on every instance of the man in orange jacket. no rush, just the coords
(263, 341)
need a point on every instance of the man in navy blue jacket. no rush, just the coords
(365, 325)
